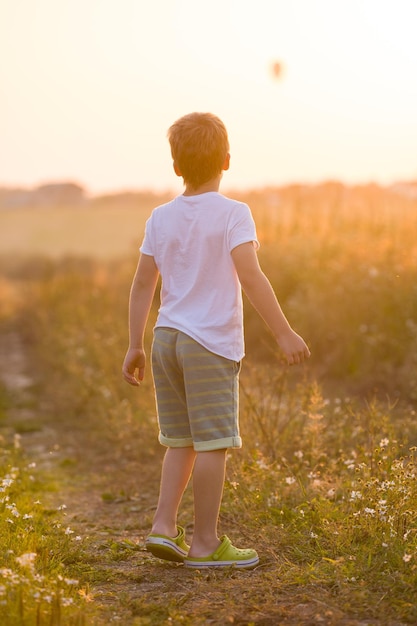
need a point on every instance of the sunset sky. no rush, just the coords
(89, 88)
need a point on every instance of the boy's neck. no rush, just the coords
(210, 185)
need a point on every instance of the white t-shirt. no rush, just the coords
(191, 239)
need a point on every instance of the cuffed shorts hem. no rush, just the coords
(201, 446)
(171, 442)
(218, 444)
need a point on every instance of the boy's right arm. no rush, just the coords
(141, 296)
(259, 291)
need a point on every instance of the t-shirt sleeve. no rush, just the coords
(147, 246)
(242, 229)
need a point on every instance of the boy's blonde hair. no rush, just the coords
(199, 146)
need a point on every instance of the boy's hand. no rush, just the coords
(135, 360)
(294, 347)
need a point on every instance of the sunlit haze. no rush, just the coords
(89, 88)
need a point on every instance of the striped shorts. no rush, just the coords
(197, 393)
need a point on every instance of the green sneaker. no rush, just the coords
(226, 555)
(168, 548)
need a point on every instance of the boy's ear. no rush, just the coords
(176, 169)
(226, 163)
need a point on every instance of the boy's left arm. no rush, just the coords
(141, 296)
(260, 293)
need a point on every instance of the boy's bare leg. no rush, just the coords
(208, 482)
(176, 471)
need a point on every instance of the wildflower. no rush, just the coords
(407, 558)
(27, 516)
(62, 507)
(78, 538)
(10, 575)
(27, 559)
(261, 464)
(290, 480)
(68, 531)
(271, 501)
(383, 443)
(355, 495)
(84, 594)
(369, 511)
(299, 454)
(313, 535)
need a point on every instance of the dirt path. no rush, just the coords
(109, 486)
(107, 495)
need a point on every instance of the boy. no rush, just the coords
(204, 246)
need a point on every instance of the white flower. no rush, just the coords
(383, 443)
(290, 480)
(27, 559)
(407, 557)
(369, 511)
(68, 531)
(355, 495)
(299, 454)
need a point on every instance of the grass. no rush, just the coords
(326, 481)
(35, 587)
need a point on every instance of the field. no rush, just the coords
(325, 486)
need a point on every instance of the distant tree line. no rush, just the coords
(69, 194)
